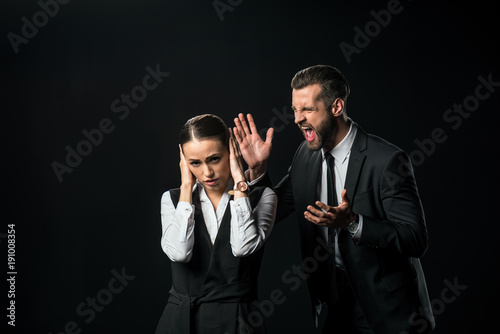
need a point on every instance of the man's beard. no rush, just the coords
(324, 133)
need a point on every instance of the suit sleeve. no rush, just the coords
(283, 191)
(404, 228)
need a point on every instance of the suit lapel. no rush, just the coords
(313, 176)
(199, 220)
(225, 226)
(356, 161)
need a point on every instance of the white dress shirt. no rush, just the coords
(249, 228)
(341, 152)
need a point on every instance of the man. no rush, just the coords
(357, 193)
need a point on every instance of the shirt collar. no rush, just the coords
(341, 151)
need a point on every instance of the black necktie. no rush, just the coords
(330, 176)
(332, 196)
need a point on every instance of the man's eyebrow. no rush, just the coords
(305, 108)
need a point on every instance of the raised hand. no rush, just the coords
(335, 216)
(187, 178)
(236, 165)
(235, 159)
(254, 150)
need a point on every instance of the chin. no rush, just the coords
(315, 145)
(221, 184)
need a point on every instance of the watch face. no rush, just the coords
(242, 186)
(353, 227)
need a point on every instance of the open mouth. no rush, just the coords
(309, 133)
(211, 182)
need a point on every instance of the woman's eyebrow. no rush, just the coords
(212, 156)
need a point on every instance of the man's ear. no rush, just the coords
(337, 107)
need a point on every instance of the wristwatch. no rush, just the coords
(353, 226)
(241, 186)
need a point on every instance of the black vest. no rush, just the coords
(213, 275)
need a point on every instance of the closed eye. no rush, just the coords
(305, 109)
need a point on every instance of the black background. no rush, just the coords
(104, 215)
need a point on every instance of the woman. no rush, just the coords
(214, 228)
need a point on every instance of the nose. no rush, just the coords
(207, 171)
(299, 117)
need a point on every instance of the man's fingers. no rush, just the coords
(312, 218)
(251, 122)
(237, 135)
(320, 221)
(319, 216)
(239, 127)
(269, 135)
(244, 125)
(314, 211)
(332, 210)
(319, 213)
(323, 206)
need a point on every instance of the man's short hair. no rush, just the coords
(333, 83)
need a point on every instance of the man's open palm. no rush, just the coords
(255, 151)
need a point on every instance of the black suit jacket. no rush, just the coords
(383, 267)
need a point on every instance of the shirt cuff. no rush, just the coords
(357, 235)
(184, 215)
(251, 183)
(242, 210)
